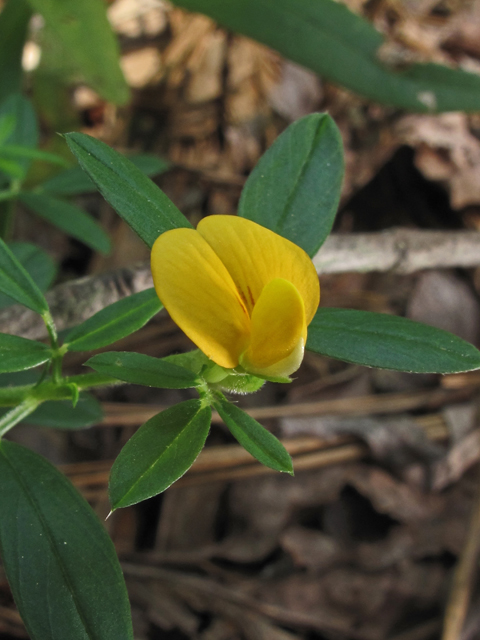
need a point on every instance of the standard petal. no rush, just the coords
(254, 256)
(278, 328)
(200, 295)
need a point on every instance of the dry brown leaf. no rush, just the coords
(205, 67)
(142, 67)
(448, 135)
(461, 457)
(445, 301)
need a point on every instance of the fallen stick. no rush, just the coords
(396, 250)
(463, 578)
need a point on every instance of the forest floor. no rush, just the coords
(363, 543)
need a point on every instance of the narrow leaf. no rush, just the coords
(60, 563)
(25, 131)
(36, 262)
(17, 283)
(61, 414)
(389, 342)
(85, 33)
(14, 21)
(295, 188)
(17, 151)
(149, 164)
(259, 442)
(20, 378)
(12, 169)
(17, 354)
(114, 322)
(138, 368)
(327, 37)
(7, 125)
(135, 198)
(75, 181)
(159, 453)
(69, 218)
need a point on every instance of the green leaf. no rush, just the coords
(20, 378)
(60, 414)
(159, 453)
(17, 354)
(114, 322)
(12, 169)
(195, 360)
(389, 342)
(149, 164)
(138, 368)
(85, 33)
(69, 218)
(70, 182)
(14, 21)
(75, 181)
(259, 442)
(17, 151)
(60, 563)
(295, 188)
(327, 37)
(7, 125)
(36, 262)
(135, 198)
(17, 283)
(25, 132)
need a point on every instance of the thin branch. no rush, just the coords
(463, 578)
(396, 250)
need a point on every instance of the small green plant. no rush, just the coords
(245, 291)
(51, 198)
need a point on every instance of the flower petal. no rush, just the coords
(278, 327)
(200, 295)
(254, 256)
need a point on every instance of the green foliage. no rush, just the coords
(259, 442)
(389, 342)
(116, 321)
(70, 219)
(17, 151)
(24, 132)
(295, 188)
(135, 198)
(62, 414)
(85, 34)
(159, 453)
(16, 283)
(138, 368)
(13, 30)
(17, 354)
(325, 36)
(52, 544)
(74, 587)
(36, 262)
(75, 181)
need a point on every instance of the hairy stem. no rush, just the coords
(16, 415)
(49, 390)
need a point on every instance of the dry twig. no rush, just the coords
(465, 571)
(397, 250)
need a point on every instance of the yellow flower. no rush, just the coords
(243, 294)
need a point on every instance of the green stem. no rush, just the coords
(16, 415)
(9, 194)
(11, 396)
(57, 352)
